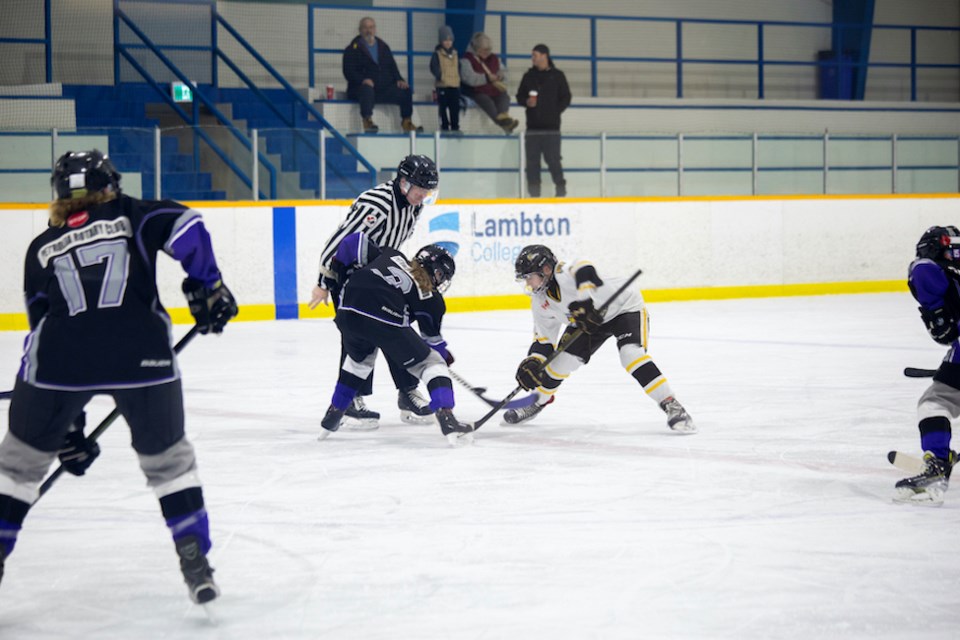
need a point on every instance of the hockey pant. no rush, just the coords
(39, 420)
(938, 405)
(630, 331)
(363, 336)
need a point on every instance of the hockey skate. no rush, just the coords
(927, 487)
(362, 418)
(330, 422)
(196, 570)
(524, 414)
(677, 417)
(457, 433)
(414, 408)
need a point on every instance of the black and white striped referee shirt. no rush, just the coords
(378, 213)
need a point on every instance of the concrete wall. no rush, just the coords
(688, 248)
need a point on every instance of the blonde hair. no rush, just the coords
(61, 209)
(420, 276)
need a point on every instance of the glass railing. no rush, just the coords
(288, 166)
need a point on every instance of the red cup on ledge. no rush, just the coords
(329, 92)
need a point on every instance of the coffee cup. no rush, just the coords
(533, 96)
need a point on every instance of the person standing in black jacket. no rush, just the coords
(372, 76)
(545, 92)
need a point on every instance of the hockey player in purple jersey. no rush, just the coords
(381, 294)
(934, 280)
(97, 327)
(564, 297)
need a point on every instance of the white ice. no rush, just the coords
(594, 521)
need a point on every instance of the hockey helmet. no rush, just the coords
(437, 262)
(420, 171)
(939, 243)
(78, 173)
(531, 260)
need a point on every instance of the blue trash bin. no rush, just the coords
(835, 82)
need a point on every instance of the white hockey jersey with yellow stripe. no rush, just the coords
(551, 305)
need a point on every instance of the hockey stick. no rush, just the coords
(478, 391)
(110, 419)
(913, 372)
(5, 394)
(556, 352)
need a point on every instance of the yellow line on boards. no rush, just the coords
(257, 312)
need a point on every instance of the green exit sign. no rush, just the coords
(181, 92)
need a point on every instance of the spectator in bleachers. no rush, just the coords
(445, 67)
(373, 77)
(545, 92)
(484, 78)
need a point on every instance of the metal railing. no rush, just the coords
(194, 118)
(842, 33)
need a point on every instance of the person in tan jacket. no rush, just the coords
(445, 67)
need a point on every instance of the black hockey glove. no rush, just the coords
(78, 453)
(530, 373)
(212, 307)
(941, 325)
(585, 316)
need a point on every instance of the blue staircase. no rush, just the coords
(120, 114)
(297, 147)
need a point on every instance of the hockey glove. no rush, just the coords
(585, 316)
(78, 453)
(941, 325)
(212, 307)
(530, 373)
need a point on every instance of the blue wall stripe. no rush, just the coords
(285, 262)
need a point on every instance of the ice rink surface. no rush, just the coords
(593, 521)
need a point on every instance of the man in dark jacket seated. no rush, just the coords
(372, 76)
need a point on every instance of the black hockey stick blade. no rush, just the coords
(914, 372)
(519, 403)
(556, 352)
(110, 419)
(5, 394)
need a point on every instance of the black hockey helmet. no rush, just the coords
(78, 173)
(939, 243)
(438, 263)
(531, 261)
(420, 171)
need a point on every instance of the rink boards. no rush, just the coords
(688, 248)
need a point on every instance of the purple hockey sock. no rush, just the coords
(192, 524)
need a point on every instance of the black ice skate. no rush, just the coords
(414, 408)
(3, 557)
(362, 418)
(524, 414)
(677, 417)
(196, 570)
(927, 487)
(330, 422)
(457, 432)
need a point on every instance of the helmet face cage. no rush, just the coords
(940, 244)
(439, 264)
(78, 173)
(419, 171)
(531, 261)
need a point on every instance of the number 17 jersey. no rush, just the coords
(90, 286)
